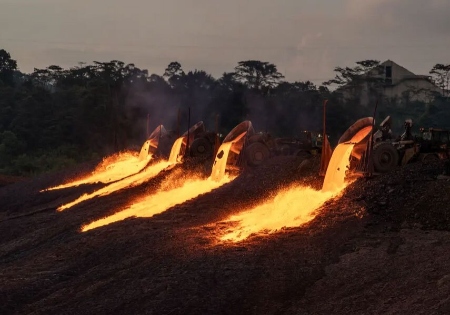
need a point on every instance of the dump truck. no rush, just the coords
(196, 142)
(230, 158)
(431, 144)
(248, 148)
(153, 143)
(262, 146)
(389, 152)
(200, 143)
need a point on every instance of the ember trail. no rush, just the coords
(298, 205)
(111, 169)
(121, 165)
(191, 188)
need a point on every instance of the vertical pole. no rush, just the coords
(324, 119)
(158, 148)
(369, 165)
(216, 138)
(217, 124)
(267, 108)
(324, 157)
(179, 122)
(188, 135)
(148, 123)
(115, 114)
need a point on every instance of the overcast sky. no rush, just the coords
(306, 39)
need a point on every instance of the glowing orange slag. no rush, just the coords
(136, 179)
(150, 146)
(166, 198)
(294, 206)
(161, 201)
(220, 162)
(176, 151)
(290, 208)
(111, 169)
(361, 134)
(339, 163)
(336, 171)
(130, 181)
(145, 149)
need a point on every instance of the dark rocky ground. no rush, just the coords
(379, 249)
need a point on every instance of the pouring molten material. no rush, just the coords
(229, 157)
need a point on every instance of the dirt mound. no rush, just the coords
(413, 196)
(376, 249)
(392, 273)
(7, 180)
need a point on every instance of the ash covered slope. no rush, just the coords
(400, 263)
(358, 251)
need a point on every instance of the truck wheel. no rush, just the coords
(385, 157)
(430, 158)
(200, 147)
(256, 153)
(285, 150)
(303, 154)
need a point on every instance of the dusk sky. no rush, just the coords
(306, 39)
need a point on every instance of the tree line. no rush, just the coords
(54, 117)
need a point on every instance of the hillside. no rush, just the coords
(380, 248)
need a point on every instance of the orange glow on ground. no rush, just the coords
(130, 181)
(292, 207)
(169, 196)
(161, 201)
(133, 179)
(111, 169)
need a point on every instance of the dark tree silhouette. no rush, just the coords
(7, 68)
(258, 75)
(441, 77)
(364, 71)
(174, 73)
(56, 117)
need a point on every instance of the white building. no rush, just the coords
(399, 86)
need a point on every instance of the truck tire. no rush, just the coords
(285, 150)
(303, 154)
(200, 147)
(256, 153)
(385, 157)
(429, 158)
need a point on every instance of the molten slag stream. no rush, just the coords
(165, 199)
(290, 208)
(161, 201)
(130, 181)
(220, 163)
(339, 163)
(111, 169)
(133, 179)
(295, 206)
(176, 150)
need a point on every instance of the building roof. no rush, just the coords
(390, 62)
